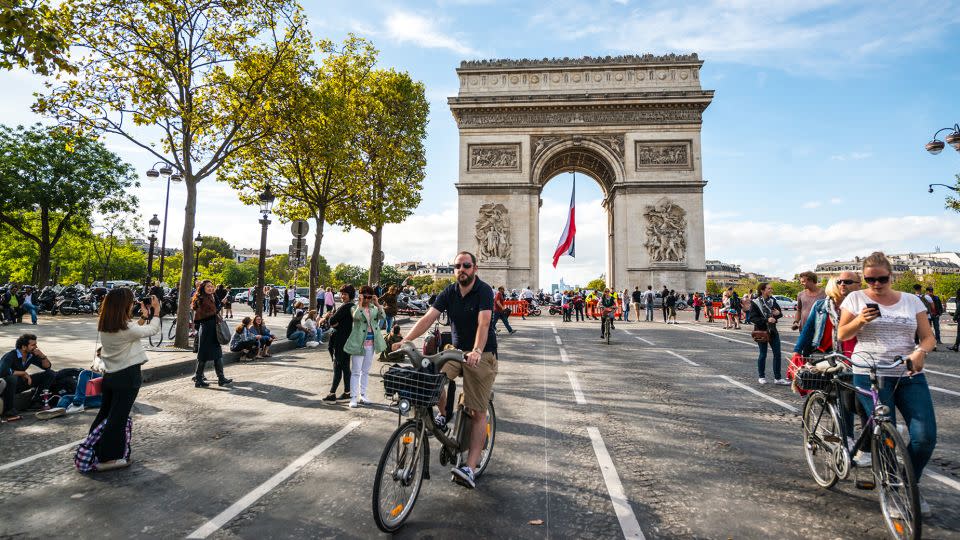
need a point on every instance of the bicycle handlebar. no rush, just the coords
(418, 360)
(897, 361)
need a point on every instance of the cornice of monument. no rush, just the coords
(585, 61)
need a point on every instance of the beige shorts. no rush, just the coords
(477, 381)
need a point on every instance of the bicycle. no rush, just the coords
(607, 324)
(829, 457)
(405, 460)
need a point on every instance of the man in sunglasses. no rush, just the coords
(469, 305)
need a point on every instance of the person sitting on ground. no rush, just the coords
(244, 341)
(13, 368)
(79, 400)
(296, 332)
(263, 336)
(393, 337)
(309, 323)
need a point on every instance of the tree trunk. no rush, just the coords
(315, 262)
(44, 248)
(376, 258)
(186, 267)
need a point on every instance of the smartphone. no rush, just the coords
(874, 306)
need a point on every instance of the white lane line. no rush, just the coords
(628, 520)
(236, 508)
(786, 406)
(684, 358)
(648, 342)
(925, 370)
(554, 328)
(719, 336)
(945, 391)
(558, 340)
(40, 455)
(577, 393)
(627, 332)
(563, 356)
(942, 479)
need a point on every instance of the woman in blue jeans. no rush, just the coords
(764, 313)
(885, 321)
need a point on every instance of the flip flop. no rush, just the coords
(12, 418)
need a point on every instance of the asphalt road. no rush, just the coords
(650, 436)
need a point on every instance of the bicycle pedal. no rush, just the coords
(866, 485)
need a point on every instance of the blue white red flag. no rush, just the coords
(567, 244)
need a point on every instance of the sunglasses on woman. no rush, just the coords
(878, 279)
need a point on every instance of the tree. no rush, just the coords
(598, 284)
(391, 276)
(438, 285)
(786, 288)
(905, 282)
(65, 178)
(214, 247)
(420, 282)
(393, 112)
(310, 161)
(189, 74)
(116, 229)
(33, 35)
(344, 274)
(953, 203)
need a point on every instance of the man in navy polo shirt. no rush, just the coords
(469, 305)
(13, 369)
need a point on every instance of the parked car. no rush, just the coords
(785, 302)
(951, 306)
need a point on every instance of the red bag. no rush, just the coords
(796, 362)
(94, 387)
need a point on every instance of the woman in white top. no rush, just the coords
(883, 333)
(122, 355)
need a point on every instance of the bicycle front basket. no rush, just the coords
(813, 380)
(420, 388)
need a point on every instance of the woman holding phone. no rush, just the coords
(884, 321)
(365, 340)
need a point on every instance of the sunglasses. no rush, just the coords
(878, 279)
(466, 266)
(368, 296)
(845, 282)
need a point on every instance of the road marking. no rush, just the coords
(558, 340)
(563, 356)
(621, 506)
(627, 332)
(941, 373)
(684, 358)
(945, 391)
(786, 406)
(942, 479)
(646, 341)
(40, 455)
(718, 336)
(554, 328)
(577, 393)
(236, 508)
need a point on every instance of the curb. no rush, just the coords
(179, 368)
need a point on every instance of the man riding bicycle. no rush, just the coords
(606, 307)
(469, 305)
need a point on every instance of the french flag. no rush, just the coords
(566, 244)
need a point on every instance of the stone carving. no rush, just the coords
(493, 233)
(631, 59)
(663, 155)
(666, 232)
(495, 157)
(539, 118)
(613, 143)
(579, 160)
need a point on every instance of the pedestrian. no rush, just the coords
(671, 303)
(745, 303)
(389, 303)
(578, 304)
(205, 306)
(328, 301)
(697, 306)
(626, 305)
(289, 298)
(13, 370)
(648, 301)
(342, 323)
(735, 309)
(296, 333)
(592, 300)
(936, 309)
(956, 319)
(220, 294)
(123, 355)
(500, 311)
(884, 321)
(314, 332)
(227, 304)
(637, 300)
(806, 298)
(27, 303)
(663, 304)
(364, 342)
(263, 335)
(765, 314)
(274, 301)
(244, 341)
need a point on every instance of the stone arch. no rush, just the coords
(580, 155)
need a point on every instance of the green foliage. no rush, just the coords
(214, 247)
(437, 286)
(598, 284)
(945, 285)
(420, 283)
(712, 287)
(786, 288)
(33, 34)
(745, 285)
(905, 282)
(348, 273)
(391, 276)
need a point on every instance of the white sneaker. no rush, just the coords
(363, 400)
(782, 382)
(863, 459)
(762, 380)
(353, 404)
(111, 465)
(925, 508)
(73, 408)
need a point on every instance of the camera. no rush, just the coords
(147, 300)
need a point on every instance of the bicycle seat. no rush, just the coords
(418, 360)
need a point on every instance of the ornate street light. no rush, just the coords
(166, 171)
(930, 188)
(266, 205)
(154, 226)
(935, 146)
(198, 244)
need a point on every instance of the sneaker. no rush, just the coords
(330, 397)
(440, 421)
(464, 476)
(111, 465)
(353, 404)
(925, 508)
(73, 409)
(762, 380)
(344, 396)
(200, 383)
(512, 332)
(863, 459)
(51, 413)
(363, 400)
(782, 382)
(224, 382)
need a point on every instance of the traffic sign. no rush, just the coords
(299, 243)
(300, 228)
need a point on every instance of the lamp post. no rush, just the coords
(935, 146)
(266, 205)
(167, 172)
(154, 225)
(930, 187)
(196, 257)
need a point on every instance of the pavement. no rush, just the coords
(662, 434)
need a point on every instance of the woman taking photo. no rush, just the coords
(365, 340)
(341, 321)
(885, 321)
(122, 355)
(764, 314)
(205, 307)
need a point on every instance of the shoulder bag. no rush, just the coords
(223, 331)
(761, 336)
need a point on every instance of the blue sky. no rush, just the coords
(813, 146)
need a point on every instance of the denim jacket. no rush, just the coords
(812, 333)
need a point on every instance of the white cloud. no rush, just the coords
(405, 27)
(812, 204)
(591, 245)
(836, 200)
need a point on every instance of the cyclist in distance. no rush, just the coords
(469, 305)
(606, 307)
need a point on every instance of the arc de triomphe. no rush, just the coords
(632, 123)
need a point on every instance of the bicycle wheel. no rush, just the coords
(899, 496)
(172, 333)
(157, 339)
(821, 437)
(609, 326)
(399, 477)
(488, 443)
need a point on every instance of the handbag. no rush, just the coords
(760, 336)
(94, 387)
(223, 331)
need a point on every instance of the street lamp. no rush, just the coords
(930, 187)
(166, 171)
(154, 225)
(266, 205)
(953, 139)
(196, 257)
